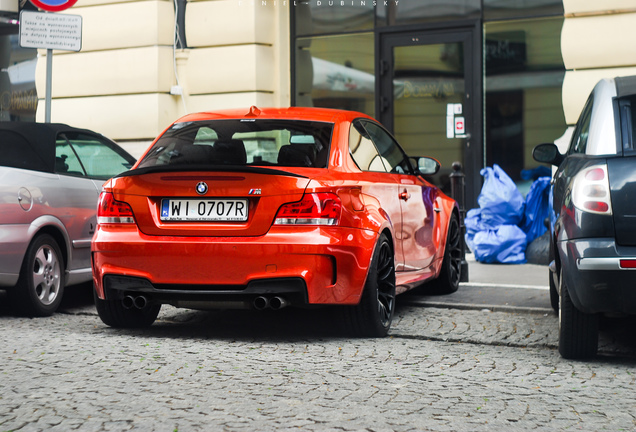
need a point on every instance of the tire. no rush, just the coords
(578, 331)
(553, 278)
(372, 317)
(114, 314)
(451, 272)
(40, 286)
(554, 293)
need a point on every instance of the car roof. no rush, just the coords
(291, 113)
(40, 137)
(625, 86)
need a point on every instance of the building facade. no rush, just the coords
(475, 81)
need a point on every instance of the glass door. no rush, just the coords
(430, 99)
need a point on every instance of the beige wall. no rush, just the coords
(120, 83)
(597, 42)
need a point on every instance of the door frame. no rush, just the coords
(470, 34)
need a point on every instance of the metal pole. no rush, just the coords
(49, 73)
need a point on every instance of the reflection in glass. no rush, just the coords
(523, 107)
(509, 9)
(427, 80)
(18, 97)
(417, 11)
(332, 16)
(336, 72)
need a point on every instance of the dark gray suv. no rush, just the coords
(593, 248)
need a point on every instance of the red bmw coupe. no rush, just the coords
(272, 208)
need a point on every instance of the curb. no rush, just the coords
(490, 307)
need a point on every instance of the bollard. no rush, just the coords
(458, 193)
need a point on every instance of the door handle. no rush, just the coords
(437, 209)
(405, 196)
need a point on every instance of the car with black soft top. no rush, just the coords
(50, 178)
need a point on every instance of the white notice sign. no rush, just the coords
(50, 31)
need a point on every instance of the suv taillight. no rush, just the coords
(591, 190)
(313, 209)
(111, 211)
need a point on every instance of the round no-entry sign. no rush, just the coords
(53, 5)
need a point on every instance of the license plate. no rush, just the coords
(206, 210)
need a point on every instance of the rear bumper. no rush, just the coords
(316, 265)
(597, 281)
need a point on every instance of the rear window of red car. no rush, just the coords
(292, 143)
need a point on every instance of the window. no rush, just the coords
(393, 156)
(86, 155)
(17, 153)
(412, 12)
(511, 9)
(18, 94)
(332, 16)
(66, 161)
(628, 122)
(362, 150)
(243, 142)
(582, 131)
(523, 91)
(336, 72)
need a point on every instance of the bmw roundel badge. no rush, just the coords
(202, 188)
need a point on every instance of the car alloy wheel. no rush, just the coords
(385, 281)
(41, 285)
(372, 317)
(451, 272)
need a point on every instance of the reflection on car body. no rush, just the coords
(329, 211)
(50, 178)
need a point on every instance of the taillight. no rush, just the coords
(313, 209)
(111, 211)
(591, 190)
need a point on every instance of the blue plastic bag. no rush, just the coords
(473, 225)
(536, 173)
(537, 208)
(505, 244)
(500, 201)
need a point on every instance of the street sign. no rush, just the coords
(53, 5)
(50, 31)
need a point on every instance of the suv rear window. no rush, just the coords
(242, 142)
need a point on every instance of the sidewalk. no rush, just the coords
(518, 275)
(497, 287)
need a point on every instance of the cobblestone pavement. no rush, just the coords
(440, 370)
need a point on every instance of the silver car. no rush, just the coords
(50, 179)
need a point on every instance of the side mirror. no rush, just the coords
(547, 153)
(427, 166)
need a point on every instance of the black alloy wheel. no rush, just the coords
(451, 272)
(372, 317)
